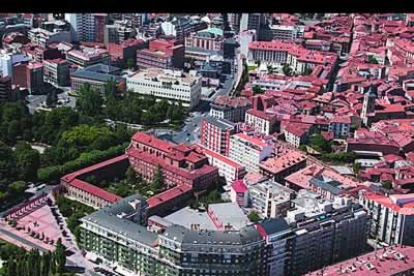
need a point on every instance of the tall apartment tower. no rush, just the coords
(368, 105)
(82, 26)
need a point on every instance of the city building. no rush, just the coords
(181, 164)
(239, 193)
(162, 54)
(35, 73)
(279, 237)
(389, 261)
(52, 31)
(122, 53)
(326, 232)
(340, 126)
(278, 167)
(249, 150)
(167, 84)
(216, 133)
(56, 72)
(392, 216)
(232, 109)
(76, 187)
(82, 26)
(6, 64)
(208, 39)
(326, 182)
(5, 88)
(270, 199)
(175, 251)
(227, 168)
(263, 122)
(86, 56)
(97, 76)
(283, 32)
(245, 38)
(227, 216)
(296, 56)
(118, 32)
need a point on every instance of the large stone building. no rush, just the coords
(116, 235)
(167, 84)
(181, 164)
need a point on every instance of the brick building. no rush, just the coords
(181, 164)
(161, 54)
(215, 134)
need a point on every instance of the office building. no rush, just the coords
(5, 88)
(56, 72)
(161, 54)
(167, 84)
(86, 56)
(97, 76)
(35, 81)
(118, 32)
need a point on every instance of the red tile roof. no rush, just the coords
(168, 195)
(239, 187)
(96, 191)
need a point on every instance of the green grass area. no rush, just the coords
(73, 211)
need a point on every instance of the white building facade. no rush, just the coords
(167, 84)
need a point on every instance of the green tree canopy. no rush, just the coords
(89, 102)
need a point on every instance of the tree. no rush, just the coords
(51, 98)
(356, 167)
(269, 69)
(7, 164)
(287, 70)
(27, 161)
(130, 63)
(46, 263)
(254, 216)
(372, 60)
(130, 175)
(60, 256)
(319, 143)
(11, 268)
(387, 185)
(110, 89)
(17, 188)
(89, 102)
(257, 90)
(157, 183)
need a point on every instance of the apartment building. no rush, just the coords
(216, 133)
(249, 150)
(392, 216)
(232, 109)
(270, 199)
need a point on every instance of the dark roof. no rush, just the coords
(98, 72)
(220, 122)
(330, 186)
(274, 225)
(107, 218)
(207, 238)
